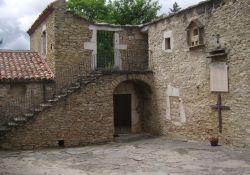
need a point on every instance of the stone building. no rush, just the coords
(185, 75)
(24, 77)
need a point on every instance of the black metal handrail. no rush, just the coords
(123, 60)
(16, 107)
(126, 60)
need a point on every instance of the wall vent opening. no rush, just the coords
(61, 143)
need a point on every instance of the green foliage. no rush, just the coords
(175, 8)
(91, 9)
(116, 11)
(134, 11)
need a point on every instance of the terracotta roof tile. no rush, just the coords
(23, 65)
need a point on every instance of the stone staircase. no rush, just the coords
(32, 113)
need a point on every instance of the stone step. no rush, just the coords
(76, 84)
(45, 105)
(28, 115)
(74, 87)
(61, 96)
(20, 119)
(37, 110)
(86, 81)
(12, 124)
(53, 100)
(69, 91)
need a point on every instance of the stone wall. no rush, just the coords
(135, 57)
(36, 40)
(139, 94)
(182, 76)
(22, 90)
(85, 117)
(72, 33)
(17, 99)
(66, 38)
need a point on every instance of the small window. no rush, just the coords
(44, 43)
(167, 43)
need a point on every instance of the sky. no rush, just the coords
(17, 16)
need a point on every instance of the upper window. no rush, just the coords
(44, 41)
(195, 33)
(167, 45)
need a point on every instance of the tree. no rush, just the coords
(134, 11)
(175, 8)
(91, 9)
(1, 41)
(116, 11)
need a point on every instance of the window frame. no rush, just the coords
(195, 25)
(44, 41)
(168, 36)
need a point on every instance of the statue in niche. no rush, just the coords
(216, 41)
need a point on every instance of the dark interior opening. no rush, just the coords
(122, 113)
(61, 143)
(105, 49)
(167, 43)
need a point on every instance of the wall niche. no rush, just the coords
(195, 34)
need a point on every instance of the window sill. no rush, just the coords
(196, 47)
(168, 51)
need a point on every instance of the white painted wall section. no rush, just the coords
(92, 45)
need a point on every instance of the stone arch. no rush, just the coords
(139, 89)
(147, 79)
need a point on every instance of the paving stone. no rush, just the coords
(143, 156)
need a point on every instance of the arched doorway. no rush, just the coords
(131, 103)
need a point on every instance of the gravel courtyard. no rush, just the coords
(135, 155)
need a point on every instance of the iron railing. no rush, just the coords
(16, 107)
(123, 60)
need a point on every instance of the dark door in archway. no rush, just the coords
(122, 113)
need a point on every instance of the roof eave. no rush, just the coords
(42, 17)
(26, 81)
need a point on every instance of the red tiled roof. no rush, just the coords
(23, 66)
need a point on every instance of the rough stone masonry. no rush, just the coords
(174, 93)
